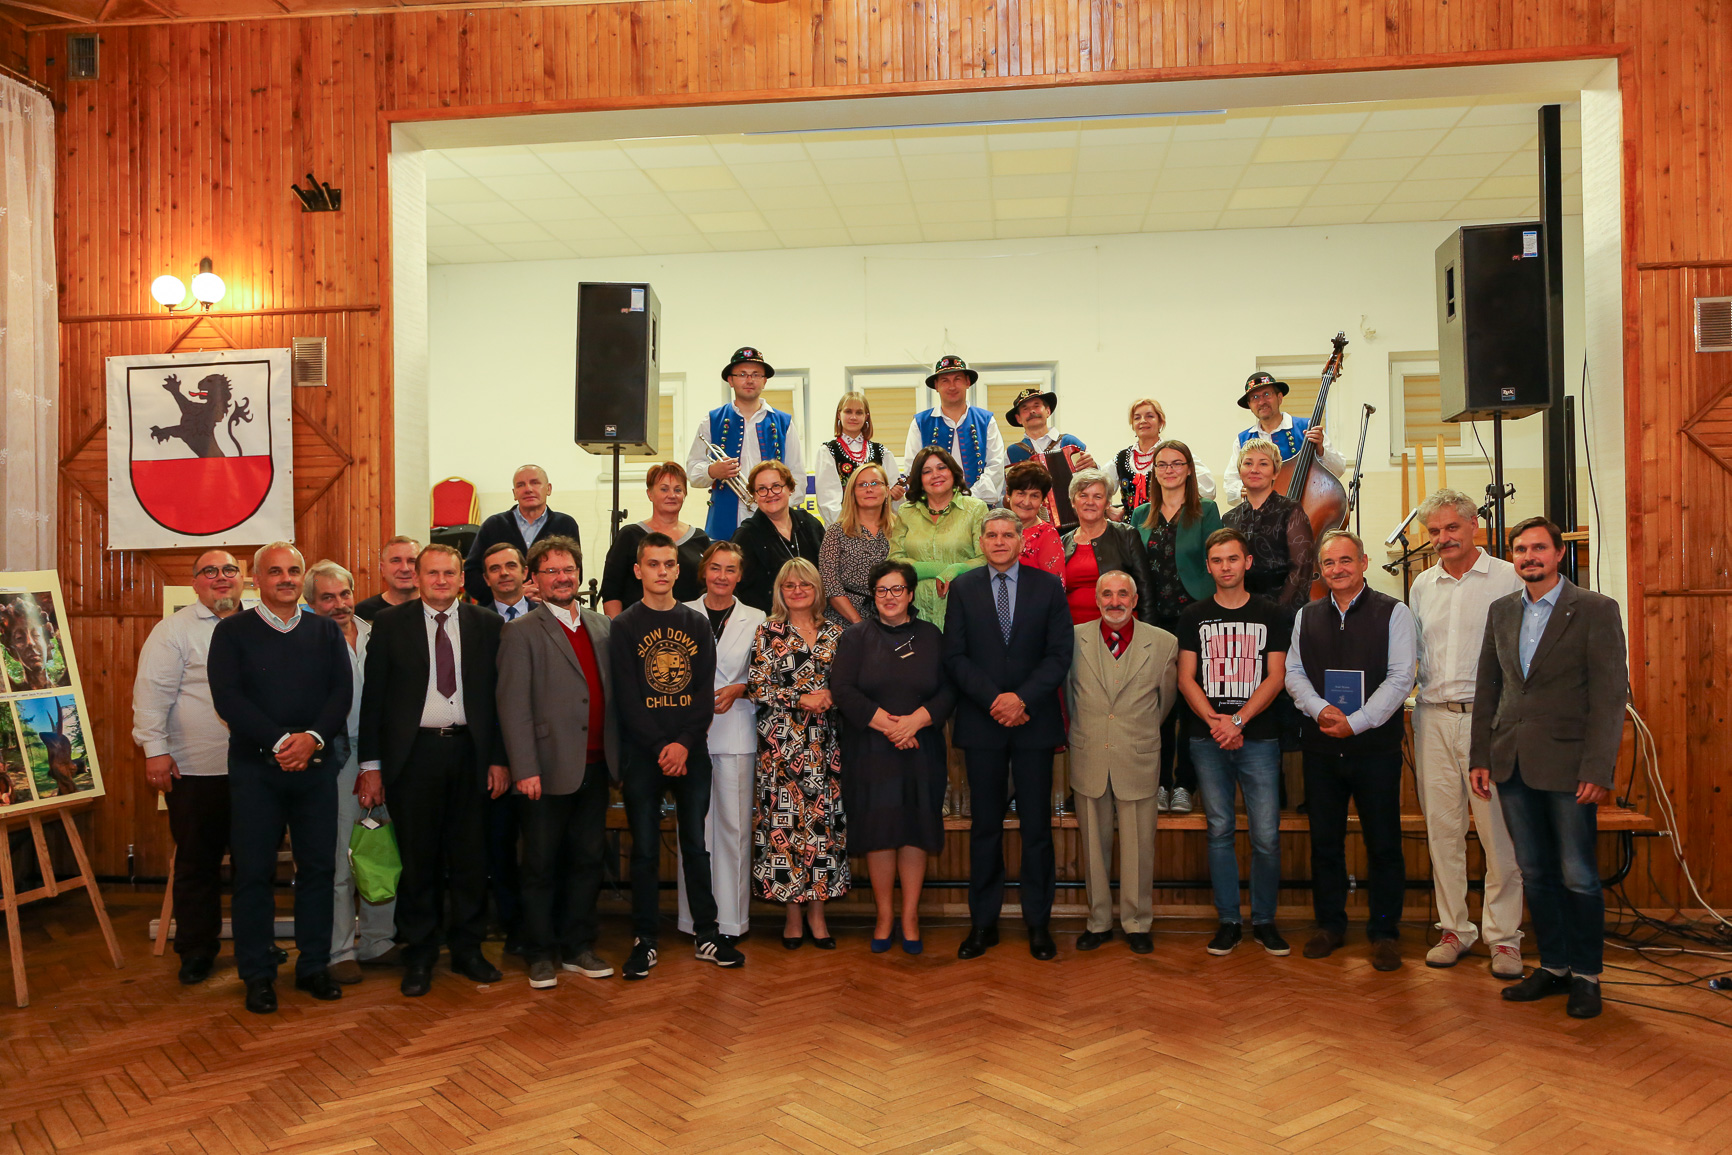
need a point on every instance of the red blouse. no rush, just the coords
(1042, 549)
(1081, 572)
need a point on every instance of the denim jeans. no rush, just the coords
(1555, 841)
(1255, 768)
(642, 785)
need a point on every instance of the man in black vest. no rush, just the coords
(1349, 669)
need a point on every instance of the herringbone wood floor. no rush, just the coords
(817, 1052)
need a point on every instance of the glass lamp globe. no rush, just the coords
(208, 288)
(168, 290)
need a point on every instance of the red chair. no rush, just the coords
(456, 513)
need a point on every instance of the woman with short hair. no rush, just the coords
(893, 697)
(800, 839)
(1098, 545)
(1027, 485)
(665, 484)
(776, 533)
(854, 543)
(937, 530)
(1283, 547)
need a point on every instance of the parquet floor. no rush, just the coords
(851, 1052)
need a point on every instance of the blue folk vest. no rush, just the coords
(1288, 441)
(971, 455)
(728, 433)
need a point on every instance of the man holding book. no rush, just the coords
(1350, 666)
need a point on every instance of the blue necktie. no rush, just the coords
(510, 613)
(1004, 606)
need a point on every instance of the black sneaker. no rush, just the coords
(718, 950)
(1226, 938)
(643, 957)
(1265, 933)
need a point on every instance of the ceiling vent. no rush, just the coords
(1714, 324)
(81, 57)
(309, 361)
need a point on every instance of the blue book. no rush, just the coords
(1344, 689)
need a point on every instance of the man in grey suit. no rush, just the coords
(1122, 686)
(554, 686)
(1548, 716)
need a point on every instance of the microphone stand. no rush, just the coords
(1359, 470)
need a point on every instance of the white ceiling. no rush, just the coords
(1413, 160)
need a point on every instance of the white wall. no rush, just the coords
(1180, 316)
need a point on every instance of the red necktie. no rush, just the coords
(445, 662)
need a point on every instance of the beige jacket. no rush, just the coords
(1116, 709)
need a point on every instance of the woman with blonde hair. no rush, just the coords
(856, 542)
(851, 448)
(799, 840)
(1283, 548)
(1132, 469)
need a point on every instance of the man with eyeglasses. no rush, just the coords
(726, 428)
(1264, 396)
(186, 749)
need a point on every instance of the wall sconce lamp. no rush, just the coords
(171, 293)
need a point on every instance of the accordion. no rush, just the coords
(1058, 507)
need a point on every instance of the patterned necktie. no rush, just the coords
(1004, 606)
(444, 661)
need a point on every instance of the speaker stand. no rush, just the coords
(616, 514)
(1495, 491)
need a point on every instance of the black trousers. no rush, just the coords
(1176, 769)
(990, 773)
(1373, 783)
(198, 818)
(264, 800)
(439, 806)
(504, 877)
(564, 837)
(642, 785)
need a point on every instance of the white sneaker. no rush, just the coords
(1181, 799)
(1161, 799)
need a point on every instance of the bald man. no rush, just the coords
(522, 526)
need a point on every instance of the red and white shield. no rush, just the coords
(200, 451)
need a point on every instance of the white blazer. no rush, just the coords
(735, 732)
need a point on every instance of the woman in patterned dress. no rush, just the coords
(854, 543)
(800, 837)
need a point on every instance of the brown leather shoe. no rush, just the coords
(391, 958)
(1386, 955)
(347, 972)
(1323, 944)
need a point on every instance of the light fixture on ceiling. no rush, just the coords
(170, 291)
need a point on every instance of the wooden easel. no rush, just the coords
(11, 899)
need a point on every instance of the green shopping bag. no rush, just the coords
(373, 859)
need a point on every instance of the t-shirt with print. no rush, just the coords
(1233, 648)
(664, 668)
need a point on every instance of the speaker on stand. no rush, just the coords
(618, 374)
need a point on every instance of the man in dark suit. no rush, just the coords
(554, 695)
(430, 744)
(1007, 644)
(522, 525)
(1554, 678)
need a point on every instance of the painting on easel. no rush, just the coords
(44, 748)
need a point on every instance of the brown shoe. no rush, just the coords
(1386, 955)
(347, 972)
(1323, 944)
(391, 958)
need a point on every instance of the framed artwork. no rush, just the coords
(44, 747)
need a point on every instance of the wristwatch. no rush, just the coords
(1237, 720)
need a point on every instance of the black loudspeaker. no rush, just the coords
(1491, 322)
(618, 367)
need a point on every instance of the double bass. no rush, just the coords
(1308, 481)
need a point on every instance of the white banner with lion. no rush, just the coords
(199, 449)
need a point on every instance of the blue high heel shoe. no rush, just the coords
(911, 945)
(880, 945)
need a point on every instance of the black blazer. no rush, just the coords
(766, 552)
(394, 688)
(1032, 666)
(1121, 548)
(502, 527)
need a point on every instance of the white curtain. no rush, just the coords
(29, 330)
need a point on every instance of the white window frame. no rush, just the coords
(1420, 364)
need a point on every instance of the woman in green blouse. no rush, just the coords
(937, 530)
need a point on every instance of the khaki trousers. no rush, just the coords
(1136, 859)
(1441, 739)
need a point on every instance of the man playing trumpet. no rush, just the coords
(722, 453)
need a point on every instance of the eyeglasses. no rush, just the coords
(747, 377)
(796, 587)
(568, 571)
(769, 490)
(211, 572)
(872, 484)
(889, 591)
(1169, 466)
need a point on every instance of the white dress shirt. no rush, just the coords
(1231, 491)
(1451, 614)
(698, 460)
(989, 486)
(571, 619)
(440, 710)
(172, 712)
(829, 483)
(357, 667)
(1389, 696)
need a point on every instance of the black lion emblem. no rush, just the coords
(201, 411)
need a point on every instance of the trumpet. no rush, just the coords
(736, 482)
